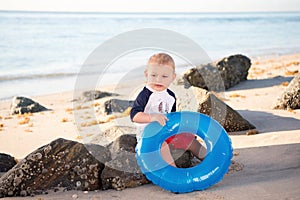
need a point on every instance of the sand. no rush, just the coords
(268, 163)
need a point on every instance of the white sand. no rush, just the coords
(271, 158)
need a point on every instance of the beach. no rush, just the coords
(269, 161)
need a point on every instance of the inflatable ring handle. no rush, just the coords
(180, 180)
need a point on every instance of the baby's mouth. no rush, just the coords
(158, 85)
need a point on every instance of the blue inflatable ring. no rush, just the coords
(180, 180)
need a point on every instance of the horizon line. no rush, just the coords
(148, 12)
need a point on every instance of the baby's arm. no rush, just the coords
(142, 117)
(137, 111)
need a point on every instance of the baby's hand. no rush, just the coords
(160, 118)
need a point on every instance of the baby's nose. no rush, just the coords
(158, 78)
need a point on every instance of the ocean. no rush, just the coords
(43, 52)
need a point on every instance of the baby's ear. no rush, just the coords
(174, 76)
(146, 72)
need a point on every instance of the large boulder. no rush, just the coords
(290, 99)
(21, 105)
(200, 100)
(60, 164)
(69, 165)
(117, 106)
(6, 162)
(220, 76)
(204, 76)
(234, 69)
(122, 171)
(210, 104)
(123, 143)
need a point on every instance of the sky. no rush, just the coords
(151, 5)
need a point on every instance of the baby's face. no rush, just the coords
(159, 77)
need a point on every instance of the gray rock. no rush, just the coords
(74, 166)
(205, 76)
(182, 158)
(21, 105)
(6, 162)
(101, 153)
(96, 94)
(210, 105)
(122, 171)
(220, 76)
(117, 106)
(62, 163)
(124, 143)
(234, 69)
(290, 99)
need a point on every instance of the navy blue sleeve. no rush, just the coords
(140, 102)
(173, 95)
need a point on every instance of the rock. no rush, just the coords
(217, 77)
(210, 105)
(62, 163)
(74, 166)
(6, 162)
(101, 153)
(122, 171)
(21, 105)
(96, 94)
(117, 106)
(182, 158)
(290, 99)
(124, 143)
(252, 132)
(205, 76)
(234, 69)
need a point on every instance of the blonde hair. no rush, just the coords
(162, 59)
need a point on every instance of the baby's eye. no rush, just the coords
(153, 75)
(165, 76)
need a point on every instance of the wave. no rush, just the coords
(35, 76)
(164, 16)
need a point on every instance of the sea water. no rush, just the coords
(43, 52)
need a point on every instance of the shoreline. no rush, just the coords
(73, 78)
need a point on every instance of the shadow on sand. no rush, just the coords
(260, 83)
(268, 122)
